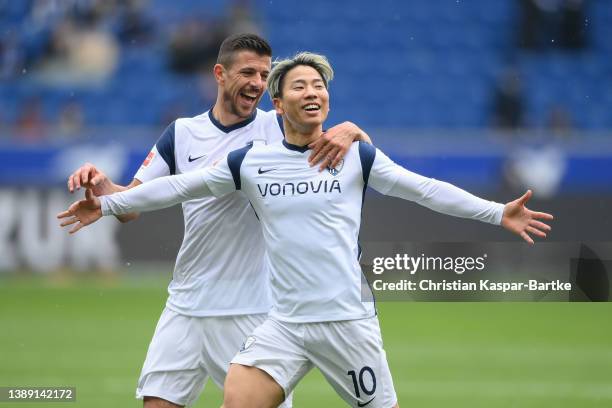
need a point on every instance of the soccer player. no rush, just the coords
(310, 223)
(220, 290)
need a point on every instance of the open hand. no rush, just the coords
(83, 212)
(522, 221)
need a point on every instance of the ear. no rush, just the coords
(218, 71)
(278, 106)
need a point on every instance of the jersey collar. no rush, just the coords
(227, 129)
(297, 148)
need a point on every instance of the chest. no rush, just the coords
(290, 187)
(193, 152)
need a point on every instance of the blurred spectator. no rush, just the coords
(30, 123)
(552, 23)
(573, 25)
(508, 102)
(195, 44)
(78, 54)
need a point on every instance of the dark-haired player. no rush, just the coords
(220, 288)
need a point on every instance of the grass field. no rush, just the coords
(93, 335)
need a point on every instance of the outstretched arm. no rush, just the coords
(158, 163)
(154, 195)
(391, 179)
(443, 197)
(522, 221)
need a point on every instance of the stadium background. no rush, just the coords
(494, 96)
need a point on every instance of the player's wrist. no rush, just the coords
(104, 208)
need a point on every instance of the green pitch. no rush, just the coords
(94, 334)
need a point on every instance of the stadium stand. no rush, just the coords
(416, 64)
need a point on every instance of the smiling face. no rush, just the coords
(304, 100)
(243, 82)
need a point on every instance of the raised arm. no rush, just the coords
(160, 161)
(90, 177)
(157, 194)
(390, 179)
(160, 193)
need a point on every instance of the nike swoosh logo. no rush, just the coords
(195, 158)
(260, 171)
(359, 404)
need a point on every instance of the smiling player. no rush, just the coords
(220, 289)
(310, 224)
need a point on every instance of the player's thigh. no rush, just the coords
(277, 349)
(223, 338)
(250, 387)
(350, 355)
(154, 402)
(174, 368)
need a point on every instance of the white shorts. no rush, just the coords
(186, 350)
(349, 353)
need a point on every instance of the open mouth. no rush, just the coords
(251, 98)
(312, 107)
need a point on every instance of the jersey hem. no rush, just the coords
(229, 312)
(321, 319)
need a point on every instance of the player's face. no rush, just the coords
(244, 82)
(305, 100)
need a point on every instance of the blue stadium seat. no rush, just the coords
(417, 63)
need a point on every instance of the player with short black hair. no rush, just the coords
(242, 42)
(220, 287)
(310, 223)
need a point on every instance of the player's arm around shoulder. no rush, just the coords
(332, 146)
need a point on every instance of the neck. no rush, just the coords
(301, 136)
(223, 116)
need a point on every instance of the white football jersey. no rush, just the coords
(311, 220)
(219, 268)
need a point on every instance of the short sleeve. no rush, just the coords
(160, 160)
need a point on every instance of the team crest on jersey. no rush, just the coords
(334, 171)
(148, 159)
(247, 343)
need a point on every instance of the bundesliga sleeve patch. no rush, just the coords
(148, 159)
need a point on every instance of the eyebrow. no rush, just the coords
(251, 69)
(303, 81)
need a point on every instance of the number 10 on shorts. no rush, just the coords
(360, 381)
